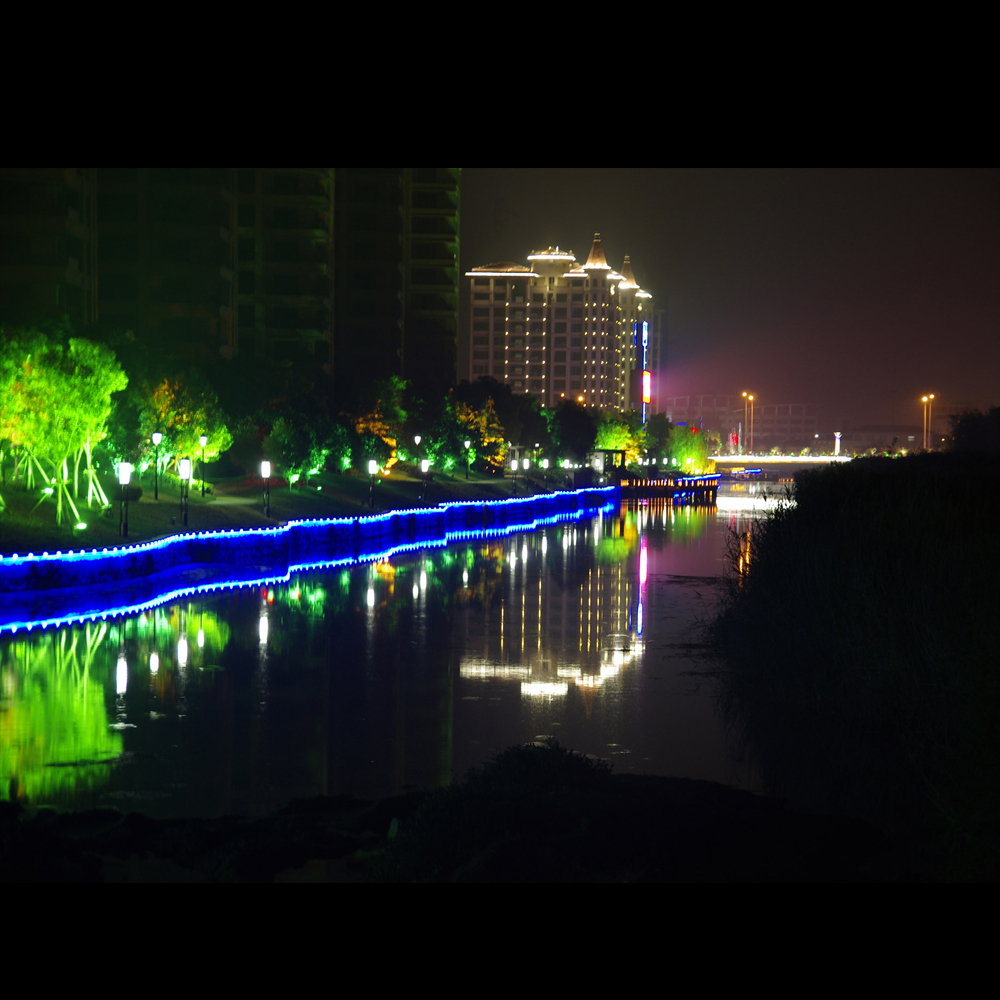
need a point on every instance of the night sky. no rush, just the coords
(853, 290)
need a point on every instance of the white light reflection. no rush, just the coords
(154, 663)
(201, 638)
(371, 597)
(121, 675)
(262, 630)
(182, 651)
(544, 689)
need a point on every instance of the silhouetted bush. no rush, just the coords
(860, 662)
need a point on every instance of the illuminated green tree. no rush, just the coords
(182, 409)
(56, 405)
(688, 449)
(621, 432)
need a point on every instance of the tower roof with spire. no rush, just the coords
(628, 278)
(597, 260)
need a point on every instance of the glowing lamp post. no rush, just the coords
(156, 437)
(373, 472)
(545, 473)
(424, 467)
(184, 468)
(743, 429)
(203, 440)
(124, 475)
(468, 444)
(928, 404)
(265, 475)
(513, 469)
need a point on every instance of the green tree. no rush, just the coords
(572, 429)
(621, 432)
(57, 403)
(182, 409)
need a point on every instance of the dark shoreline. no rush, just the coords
(612, 829)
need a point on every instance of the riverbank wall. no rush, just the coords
(58, 587)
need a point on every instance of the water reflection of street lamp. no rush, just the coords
(156, 438)
(467, 455)
(184, 467)
(265, 475)
(124, 475)
(203, 440)
(373, 472)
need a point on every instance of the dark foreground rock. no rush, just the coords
(569, 821)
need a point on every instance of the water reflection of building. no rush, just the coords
(556, 630)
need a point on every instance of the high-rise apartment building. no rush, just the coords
(48, 244)
(340, 276)
(396, 276)
(166, 259)
(563, 330)
(284, 254)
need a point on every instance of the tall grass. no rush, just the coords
(859, 651)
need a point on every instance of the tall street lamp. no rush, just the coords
(184, 467)
(513, 469)
(750, 397)
(124, 475)
(743, 438)
(927, 401)
(424, 467)
(373, 472)
(265, 476)
(156, 437)
(203, 440)
(468, 443)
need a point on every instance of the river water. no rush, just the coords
(383, 677)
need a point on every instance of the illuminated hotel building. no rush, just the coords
(559, 329)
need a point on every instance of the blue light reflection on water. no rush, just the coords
(370, 679)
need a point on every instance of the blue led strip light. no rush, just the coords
(64, 587)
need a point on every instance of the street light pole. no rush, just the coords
(124, 475)
(743, 429)
(184, 467)
(203, 441)
(751, 423)
(467, 454)
(156, 438)
(373, 472)
(265, 475)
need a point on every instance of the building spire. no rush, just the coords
(629, 278)
(597, 259)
